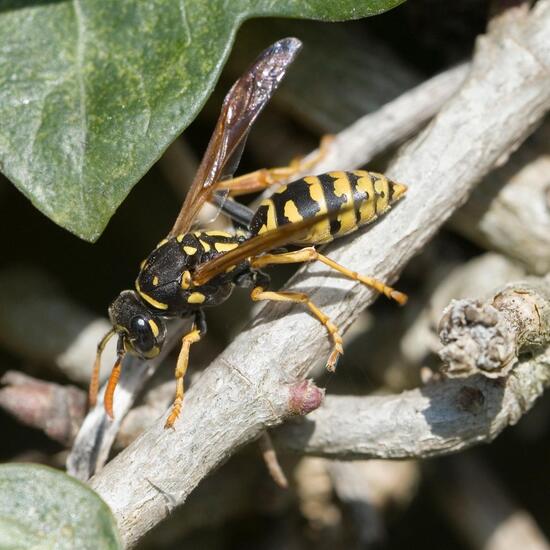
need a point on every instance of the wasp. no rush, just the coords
(193, 269)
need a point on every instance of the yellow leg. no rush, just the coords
(259, 293)
(108, 398)
(310, 254)
(181, 368)
(261, 179)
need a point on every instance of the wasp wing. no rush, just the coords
(282, 235)
(241, 106)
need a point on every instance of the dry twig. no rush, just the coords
(443, 416)
(272, 462)
(55, 409)
(510, 210)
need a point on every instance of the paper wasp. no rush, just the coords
(193, 269)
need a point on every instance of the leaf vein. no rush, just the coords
(185, 23)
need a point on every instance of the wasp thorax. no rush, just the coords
(141, 332)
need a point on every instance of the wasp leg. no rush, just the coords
(109, 395)
(259, 293)
(108, 399)
(261, 179)
(198, 330)
(181, 368)
(310, 254)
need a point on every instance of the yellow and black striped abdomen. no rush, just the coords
(357, 198)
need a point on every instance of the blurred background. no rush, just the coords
(345, 71)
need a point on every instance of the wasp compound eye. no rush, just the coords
(141, 335)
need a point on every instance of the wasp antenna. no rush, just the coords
(111, 385)
(94, 380)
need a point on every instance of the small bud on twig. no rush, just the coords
(305, 397)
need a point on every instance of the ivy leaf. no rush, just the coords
(43, 508)
(93, 91)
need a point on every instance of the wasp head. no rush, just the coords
(140, 332)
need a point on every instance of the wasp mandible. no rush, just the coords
(191, 270)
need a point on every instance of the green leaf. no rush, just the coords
(42, 508)
(93, 91)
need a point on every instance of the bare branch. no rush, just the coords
(468, 411)
(476, 278)
(246, 388)
(443, 416)
(239, 489)
(355, 146)
(55, 409)
(437, 419)
(271, 461)
(510, 210)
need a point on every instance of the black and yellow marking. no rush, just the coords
(225, 246)
(149, 299)
(359, 196)
(154, 327)
(210, 241)
(196, 298)
(185, 280)
(165, 280)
